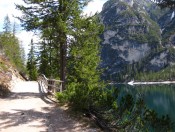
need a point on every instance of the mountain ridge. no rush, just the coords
(134, 41)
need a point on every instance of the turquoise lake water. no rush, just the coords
(160, 98)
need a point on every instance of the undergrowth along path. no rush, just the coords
(28, 109)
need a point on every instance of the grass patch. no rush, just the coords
(3, 67)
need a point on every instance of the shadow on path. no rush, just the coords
(44, 96)
(37, 116)
(26, 95)
(22, 95)
(53, 119)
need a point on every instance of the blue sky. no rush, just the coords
(7, 7)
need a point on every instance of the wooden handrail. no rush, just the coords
(52, 84)
(56, 80)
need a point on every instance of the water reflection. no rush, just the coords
(132, 109)
(160, 98)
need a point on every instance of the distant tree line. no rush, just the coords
(11, 46)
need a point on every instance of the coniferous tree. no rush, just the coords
(70, 45)
(11, 45)
(31, 63)
(44, 65)
(84, 59)
(14, 28)
(49, 53)
(57, 17)
(7, 24)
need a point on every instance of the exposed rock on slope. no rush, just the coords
(132, 40)
(8, 76)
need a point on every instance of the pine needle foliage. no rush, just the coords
(31, 63)
(55, 20)
(70, 47)
(10, 46)
(83, 74)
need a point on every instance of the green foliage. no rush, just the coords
(150, 32)
(75, 39)
(70, 47)
(131, 114)
(108, 98)
(3, 67)
(144, 32)
(56, 23)
(128, 12)
(31, 63)
(163, 123)
(4, 91)
(83, 73)
(168, 32)
(46, 60)
(10, 45)
(62, 97)
(156, 12)
(7, 24)
(165, 74)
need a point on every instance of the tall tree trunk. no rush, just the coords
(50, 59)
(63, 43)
(63, 63)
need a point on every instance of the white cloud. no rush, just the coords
(94, 6)
(7, 7)
(25, 38)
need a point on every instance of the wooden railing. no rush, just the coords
(51, 85)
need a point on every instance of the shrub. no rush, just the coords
(62, 97)
(4, 90)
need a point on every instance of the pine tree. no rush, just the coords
(44, 60)
(11, 45)
(14, 30)
(84, 59)
(70, 44)
(31, 63)
(57, 18)
(7, 24)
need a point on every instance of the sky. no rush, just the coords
(7, 7)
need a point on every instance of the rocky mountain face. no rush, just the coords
(138, 37)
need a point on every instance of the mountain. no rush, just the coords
(138, 38)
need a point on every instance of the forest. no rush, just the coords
(69, 50)
(10, 45)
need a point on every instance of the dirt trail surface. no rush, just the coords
(28, 110)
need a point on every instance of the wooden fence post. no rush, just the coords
(61, 87)
(52, 85)
(49, 87)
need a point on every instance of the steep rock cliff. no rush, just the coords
(137, 38)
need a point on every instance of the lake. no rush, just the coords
(160, 98)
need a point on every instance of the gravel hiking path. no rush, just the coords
(28, 110)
